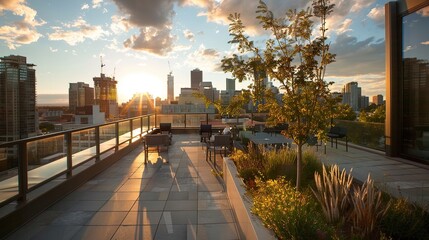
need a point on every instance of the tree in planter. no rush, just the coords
(294, 58)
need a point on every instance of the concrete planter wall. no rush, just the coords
(249, 225)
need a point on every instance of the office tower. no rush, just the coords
(364, 102)
(18, 118)
(170, 87)
(80, 95)
(106, 95)
(230, 86)
(196, 78)
(352, 95)
(377, 100)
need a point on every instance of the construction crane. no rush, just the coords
(102, 65)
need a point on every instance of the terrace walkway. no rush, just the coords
(130, 200)
(396, 176)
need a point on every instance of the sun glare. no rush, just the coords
(133, 83)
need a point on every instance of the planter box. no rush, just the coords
(249, 225)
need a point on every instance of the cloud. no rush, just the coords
(189, 35)
(425, 43)
(356, 57)
(77, 32)
(151, 40)
(96, 3)
(205, 58)
(344, 26)
(53, 49)
(219, 12)
(85, 6)
(119, 24)
(409, 48)
(377, 15)
(10, 4)
(23, 31)
(371, 84)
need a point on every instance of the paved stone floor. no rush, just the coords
(397, 176)
(181, 199)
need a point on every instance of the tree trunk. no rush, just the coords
(298, 166)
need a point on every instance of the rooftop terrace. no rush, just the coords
(175, 196)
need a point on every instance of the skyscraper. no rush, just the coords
(106, 95)
(230, 86)
(80, 95)
(377, 100)
(196, 78)
(352, 95)
(170, 87)
(18, 118)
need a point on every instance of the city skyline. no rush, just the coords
(137, 44)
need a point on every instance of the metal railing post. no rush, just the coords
(141, 126)
(97, 143)
(185, 120)
(22, 171)
(117, 136)
(156, 120)
(131, 131)
(69, 151)
(207, 118)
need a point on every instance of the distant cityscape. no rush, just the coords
(23, 111)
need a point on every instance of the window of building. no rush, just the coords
(415, 85)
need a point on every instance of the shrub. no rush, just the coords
(332, 192)
(404, 220)
(279, 163)
(367, 209)
(289, 213)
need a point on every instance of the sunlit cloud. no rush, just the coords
(344, 26)
(205, 58)
(23, 31)
(377, 15)
(96, 3)
(53, 49)
(424, 12)
(409, 48)
(425, 43)
(189, 35)
(151, 40)
(371, 84)
(77, 32)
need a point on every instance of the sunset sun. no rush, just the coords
(140, 82)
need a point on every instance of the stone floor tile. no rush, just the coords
(142, 218)
(140, 206)
(224, 231)
(215, 216)
(117, 205)
(107, 219)
(95, 232)
(175, 232)
(176, 205)
(179, 217)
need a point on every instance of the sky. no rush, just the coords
(141, 41)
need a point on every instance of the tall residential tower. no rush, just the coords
(80, 95)
(106, 95)
(18, 118)
(170, 87)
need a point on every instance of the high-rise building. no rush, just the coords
(364, 102)
(196, 78)
(230, 85)
(18, 118)
(352, 95)
(170, 87)
(106, 95)
(377, 100)
(80, 95)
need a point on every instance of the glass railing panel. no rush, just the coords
(124, 131)
(8, 172)
(47, 158)
(83, 146)
(151, 121)
(366, 134)
(136, 128)
(176, 120)
(107, 137)
(195, 120)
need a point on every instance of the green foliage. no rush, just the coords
(294, 58)
(46, 127)
(280, 163)
(344, 112)
(404, 220)
(289, 213)
(378, 115)
(364, 133)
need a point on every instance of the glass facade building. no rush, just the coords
(407, 74)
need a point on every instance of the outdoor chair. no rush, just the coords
(205, 132)
(165, 128)
(154, 140)
(335, 133)
(258, 128)
(221, 143)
